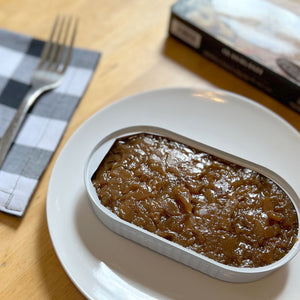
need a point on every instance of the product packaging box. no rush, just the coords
(254, 39)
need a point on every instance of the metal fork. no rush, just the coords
(48, 75)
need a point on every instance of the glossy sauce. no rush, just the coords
(226, 212)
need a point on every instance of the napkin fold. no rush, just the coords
(47, 120)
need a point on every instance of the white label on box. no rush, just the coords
(185, 33)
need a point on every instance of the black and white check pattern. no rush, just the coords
(45, 123)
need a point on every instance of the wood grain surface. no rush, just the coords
(137, 56)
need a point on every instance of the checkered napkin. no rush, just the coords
(45, 123)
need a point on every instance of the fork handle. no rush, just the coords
(14, 127)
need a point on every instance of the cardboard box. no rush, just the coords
(254, 39)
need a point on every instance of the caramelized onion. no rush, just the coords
(229, 213)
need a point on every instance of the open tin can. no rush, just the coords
(170, 249)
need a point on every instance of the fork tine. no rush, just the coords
(63, 45)
(56, 53)
(56, 44)
(70, 49)
(47, 47)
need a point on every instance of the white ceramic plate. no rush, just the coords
(105, 265)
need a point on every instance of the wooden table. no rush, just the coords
(137, 56)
